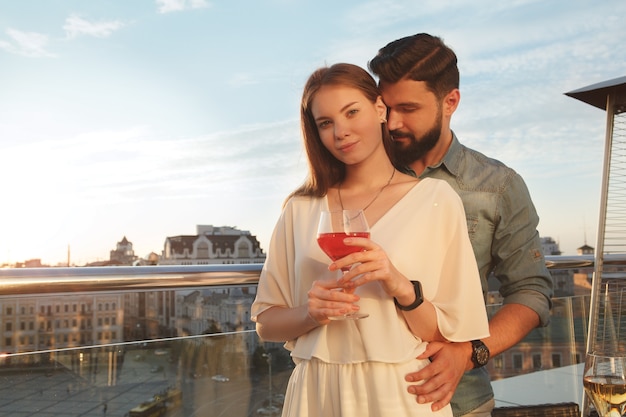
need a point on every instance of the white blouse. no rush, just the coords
(425, 237)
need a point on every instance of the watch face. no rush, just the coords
(482, 355)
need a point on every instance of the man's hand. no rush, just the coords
(449, 361)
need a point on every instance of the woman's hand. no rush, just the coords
(327, 300)
(373, 264)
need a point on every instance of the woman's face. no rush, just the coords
(348, 122)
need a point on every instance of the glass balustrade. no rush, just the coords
(178, 341)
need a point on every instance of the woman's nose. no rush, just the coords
(341, 131)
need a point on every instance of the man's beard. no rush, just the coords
(407, 154)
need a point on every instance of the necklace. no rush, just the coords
(375, 197)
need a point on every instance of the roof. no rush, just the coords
(596, 94)
(178, 244)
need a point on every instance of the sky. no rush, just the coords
(146, 118)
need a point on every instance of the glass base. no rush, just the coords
(351, 316)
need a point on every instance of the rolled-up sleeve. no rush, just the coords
(520, 266)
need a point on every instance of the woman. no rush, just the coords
(418, 233)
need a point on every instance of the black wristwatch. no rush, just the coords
(480, 354)
(419, 298)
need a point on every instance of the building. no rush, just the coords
(585, 250)
(549, 246)
(123, 253)
(212, 245)
(60, 322)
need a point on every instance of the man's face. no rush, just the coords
(414, 118)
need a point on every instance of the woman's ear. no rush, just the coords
(381, 109)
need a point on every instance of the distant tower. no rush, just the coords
(123, 253)
(585, 249)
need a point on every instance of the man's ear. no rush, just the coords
(451, 102)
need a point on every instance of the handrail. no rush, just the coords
(25, 281)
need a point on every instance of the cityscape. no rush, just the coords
(109, 351)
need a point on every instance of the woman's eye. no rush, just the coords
(352, 112)
(323, 124)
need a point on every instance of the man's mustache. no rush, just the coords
(400, 134)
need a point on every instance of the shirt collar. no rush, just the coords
(452, 159)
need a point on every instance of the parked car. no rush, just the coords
(220, 378)
(279, 399)
(268, 411)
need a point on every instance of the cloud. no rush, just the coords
(75, 26)
(137, 165)
(30, 44)
(167, 6)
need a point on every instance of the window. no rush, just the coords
(536, 361)
(517, 361)
(9, 326)
(202, 250)
(556, 360)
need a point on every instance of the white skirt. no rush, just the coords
(373, 389)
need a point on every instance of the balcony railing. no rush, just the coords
(178, 341)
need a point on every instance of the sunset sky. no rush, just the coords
(146, 118)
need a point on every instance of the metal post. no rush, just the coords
(269, 363)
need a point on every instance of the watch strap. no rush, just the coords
(419, 298)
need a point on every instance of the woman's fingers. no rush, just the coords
(326, 299)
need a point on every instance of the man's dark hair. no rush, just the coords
(420, 57)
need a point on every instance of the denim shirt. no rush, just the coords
(502, 225)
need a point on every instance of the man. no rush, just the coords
(419, 81)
